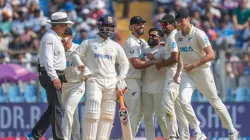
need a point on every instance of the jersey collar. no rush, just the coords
(99, 38)
(53, 32)
(190, 31)
(136, 39)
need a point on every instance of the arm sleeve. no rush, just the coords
(172, 45)
(122, 60)
(202, 39)
(131, 50)
(82, 51)
(48, 56)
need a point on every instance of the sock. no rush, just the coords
(197, 130)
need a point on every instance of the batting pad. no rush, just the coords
(106, 120)
(91, 118)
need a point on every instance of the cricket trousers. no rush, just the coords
(152, 105)
(71, 95)
(133, 101)
(203, 80)
(172, 107)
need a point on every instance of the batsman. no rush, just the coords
(101, 54)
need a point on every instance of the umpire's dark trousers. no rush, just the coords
(53, 115)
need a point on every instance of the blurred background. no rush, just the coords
(23, 23)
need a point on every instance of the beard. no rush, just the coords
(139, 32)
(152, 42)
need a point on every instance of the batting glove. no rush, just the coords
(121, 85)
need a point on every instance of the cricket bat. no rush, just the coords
(124, 118)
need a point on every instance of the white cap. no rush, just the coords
(59, 17)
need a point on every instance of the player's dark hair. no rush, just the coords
(158, 30)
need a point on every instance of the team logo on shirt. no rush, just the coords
(103, 56)
(132, 51)
(190, 38)
(206, 39)
(180, 39)
(110, 49)
(186, 49)
(69, 64)
(174, 45)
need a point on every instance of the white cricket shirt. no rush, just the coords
(133, 48)
(192, 45)
(153, 81)
(101, 55)
(72, 73)
(51, 53)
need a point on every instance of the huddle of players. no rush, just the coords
(160, 77)
(163, 75)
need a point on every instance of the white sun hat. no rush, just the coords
(59, 18)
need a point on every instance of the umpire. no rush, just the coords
(51, 75)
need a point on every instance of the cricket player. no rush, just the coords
(133, 48)
(153, 82)
(195, 55)
(170, 98)
(101, 54)
(74, 89)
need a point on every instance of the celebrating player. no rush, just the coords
(72, 91)
(101, 54)
(170, 98)
(133, 48)
(195, 55)
(152, 86)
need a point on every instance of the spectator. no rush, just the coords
(82, 35)
(36, 18)
(241, 15)
(69, 8)
(224, 35)
(97, 8)
(16, 48)
(158, 16)
(26, 38)
(210, 32)
(15, 9)
(246, 46)
(18, 24)
(93, 30)
(5, 24)
(196, 19)
(244, 70)
(126, 7)
(5, 7)
(228, 21)
(232, 69)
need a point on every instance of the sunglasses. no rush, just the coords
(164, 24)
(153, 35)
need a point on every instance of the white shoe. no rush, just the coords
(200, 136)
(234, 136)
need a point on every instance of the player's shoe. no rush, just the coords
(29, 136)
(234, 136)
(200, 136)
(172, 138)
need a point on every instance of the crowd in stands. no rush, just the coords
(226, 22)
